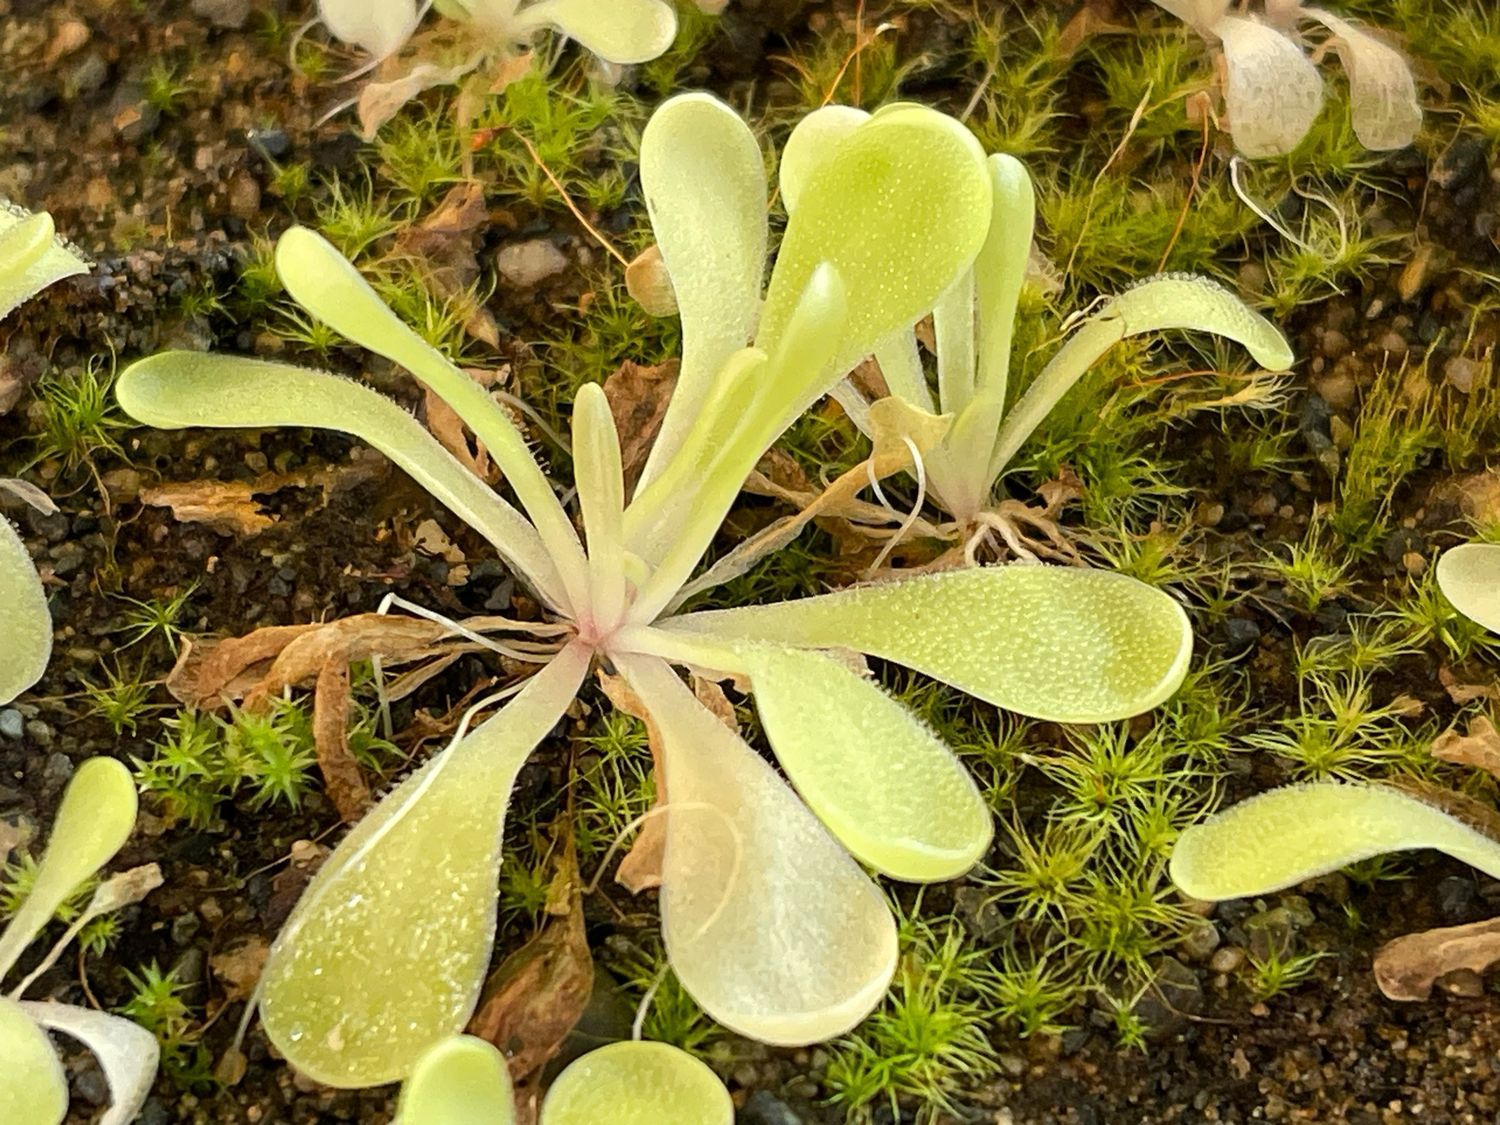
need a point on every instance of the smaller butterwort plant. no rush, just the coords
(93, 821)
(769, 921)
(464, 1081)
(483, 38)
(1272, 90)
(967, 425)
(32, 257)
(1289, 835)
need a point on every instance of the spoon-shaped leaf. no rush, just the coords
(877, 777)
(379, 27)
(459, 1081)
(1383, 105)
(637, 1084)
(899, 209)
(127, 1053)
(34, 1089)
(705, 186)
(1157, 304)
(1272, 90)
(93, 821)
(32, 257)
(24, 620)
(618, 31)
(327, 285)
(769, 925)
(1469, 577)
(386, 952)
(1287, 836)
(173, 390)
(1059, 643)
(810, 145)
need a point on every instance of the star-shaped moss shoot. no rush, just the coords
(93, 821)
(1289, 835)
(769, 921)
(32, 257)
(974, 326)
(1273, 92)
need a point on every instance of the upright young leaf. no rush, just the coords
(877, 777)
(386, 952)
(92, 823)
(24, 619)
(459, 1081)
(33, 1087)
(637, 1083)
(769, 924)
(1059, 643)
(1289, 835)
(705, 187)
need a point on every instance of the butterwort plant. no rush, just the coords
(769, 920)
(93, 821)
(983, 423)
(32, 257)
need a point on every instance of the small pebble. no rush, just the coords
(12, 726)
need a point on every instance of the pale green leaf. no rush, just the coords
(959, 471)
(327, 285)
(810, 145)
(32, 257)
(618, 31)
(1157, 304)
(1469, 577)
(25, 622)
(33, 1087)
(899, 209)
(387, 949)
(1287, 836)
(637, 1083)
(705, 187)
(769, 924)
(127, 1053)
(458, 1081)
(875, 774)
(1060, 643)
(379, 27)
(92, 823)
(600, 479)
(172, 390)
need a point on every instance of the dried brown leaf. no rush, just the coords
(649, 283)
(342, 778)
(226, 506)
(638, 397)
(536, 996)
(444, 424)
(1408, 967)
(239, 967)
(1479, 748)
(1462, 693)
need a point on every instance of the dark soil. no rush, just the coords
(168, 202)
